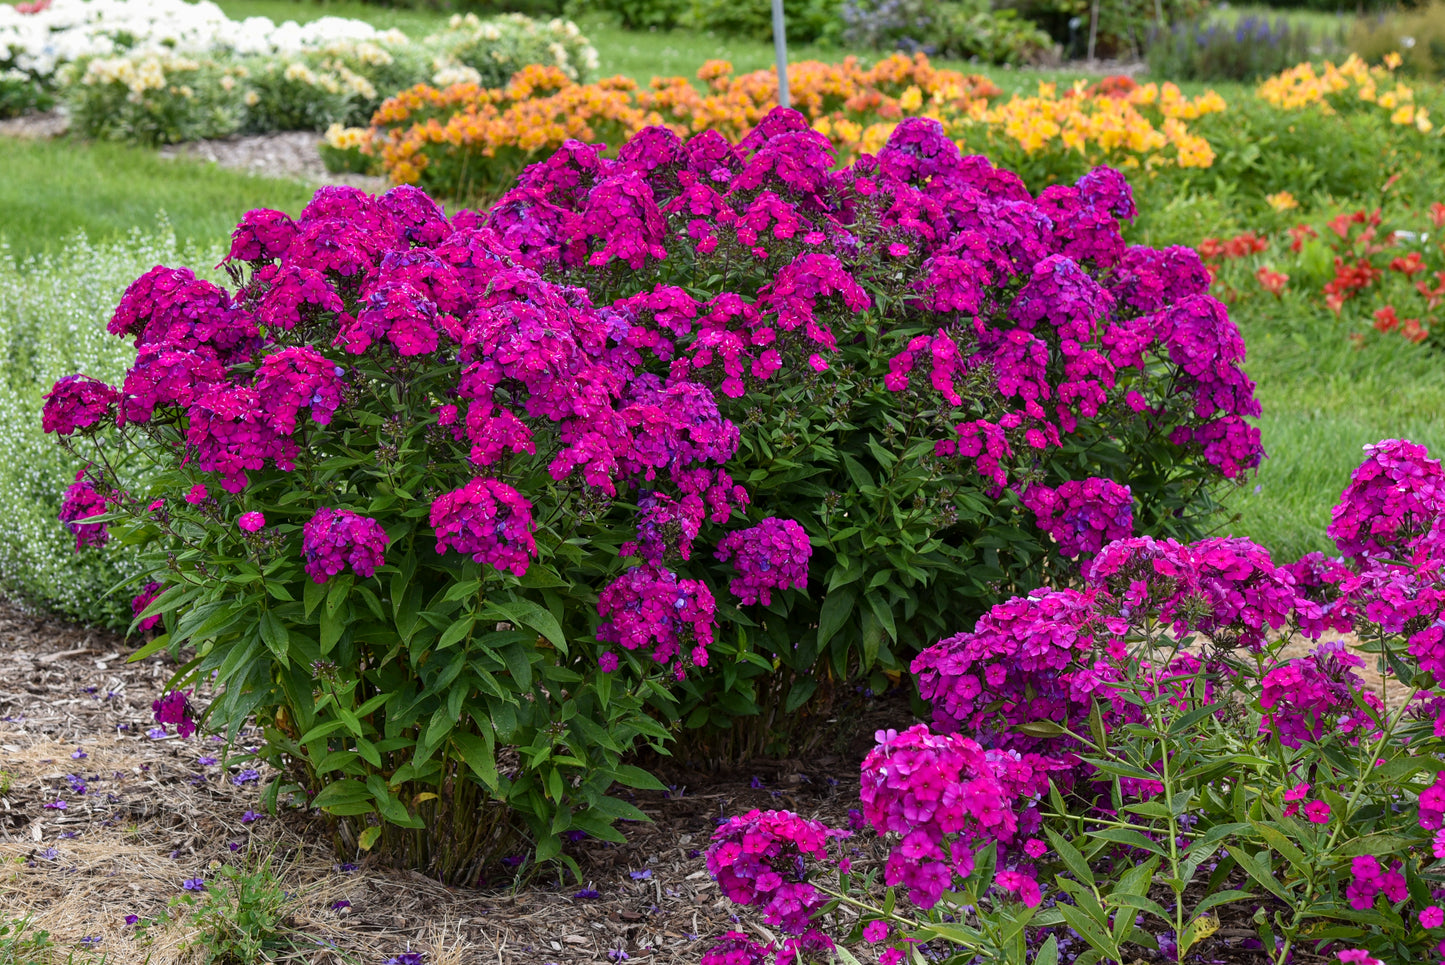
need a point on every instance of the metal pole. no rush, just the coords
(780, 50)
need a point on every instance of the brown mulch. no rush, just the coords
(144, 812)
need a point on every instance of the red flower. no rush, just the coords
(1386, 320)
(1411, 264)
(1273, 281)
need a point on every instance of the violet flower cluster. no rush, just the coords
(334, 539)
(772, 555)
(760, 859)
(1082, 514)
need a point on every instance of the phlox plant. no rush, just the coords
(381, 486)
(950, 386)
(1109, 765)
(454, 506)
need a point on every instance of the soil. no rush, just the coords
(145, 811)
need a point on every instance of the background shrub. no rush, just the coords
(155, 98)
(48, 308)
(1123, 29)
(1251, 48)
(1417, 34)
(808, 21)
(964, 29)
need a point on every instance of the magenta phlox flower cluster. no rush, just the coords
(772, 555)
(1393, 498)
(262, 235)
(230, 433)
(1147, 279)
(621, 220)
(734, 948)
(77, 402)
(82, 501)
(666, 525)
(294, 378)
(1038, 658)
(1082, 515)
(1368, 879)
(334, 539)
(1246, 593)
(1310, 696)
(1142, 575)
(164, 377)
(290, 296)
(760, 859)
(1087, 233)
(487, 520)
(649, 606)
(171, 307)
(1321, 606)
(143, 599)
(945, 796)
(174, 708)
(917, 151)
(1432, 804)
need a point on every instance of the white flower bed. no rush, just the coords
(67, 31)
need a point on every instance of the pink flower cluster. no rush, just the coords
(759, 859)
(1368, 879)
(173, 708)
(143, 599)
(736, 948)
(945, 795)
(772, 555)
(82, 502)
(1044, 657)
(649, 606)
(1082, 514)
(77, 402)
(333, 539)
(1087, 310)
(1305, 698)
(1394, 498)
(487, 520)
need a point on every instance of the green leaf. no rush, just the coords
(1048, 953)
(802, 689)
(884, 613)
(274, 635)
(528, 614)
(479, 755)
(519, 665)
(349, 791)
(1142, 903)
(837, 608)
(313, 597)
(1128, 836)
(1221, 898)
(457, 631)
(1279, 842)
(1071, 857)
(633, 776)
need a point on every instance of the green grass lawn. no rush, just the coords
(51, 189)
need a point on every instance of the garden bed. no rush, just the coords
(153, 816)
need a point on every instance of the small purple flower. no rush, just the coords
(194, 884)
(56, 805)
(346, 867)
(247, 776)
(205, 760)
(79, 755)
(755, 783)
(156, 733)
(234, 846)
(588, 893)
(407, 958)
(514, 860)
(248, 816)
(132, 919)
(338, 905)
(640, 875)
